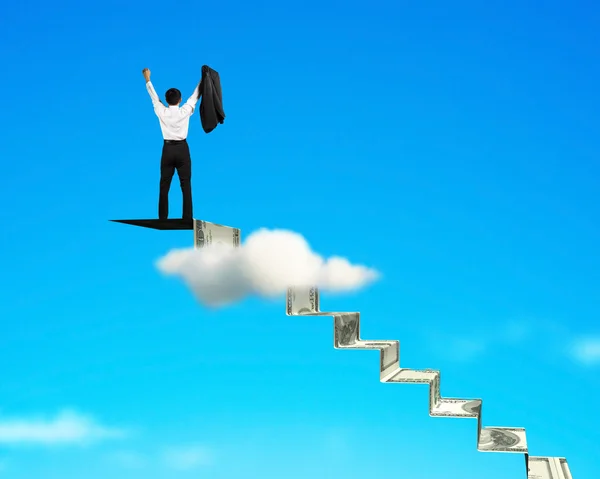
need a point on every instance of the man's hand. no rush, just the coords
(146, 74)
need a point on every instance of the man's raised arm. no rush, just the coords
(190, 104)
(156, 103)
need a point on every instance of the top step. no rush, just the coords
(156, 224)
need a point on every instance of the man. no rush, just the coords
(174, 124)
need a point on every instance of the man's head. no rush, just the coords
(173, 96)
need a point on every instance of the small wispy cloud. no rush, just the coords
(547, 337)
(188, 457)
(67, 427)
(472, 345)
(514, 332)
(586, 350)
(129, 459)
(265, 265)
(465, 349)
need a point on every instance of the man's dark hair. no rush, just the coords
(173, 96)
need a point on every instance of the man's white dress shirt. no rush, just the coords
(174, 120)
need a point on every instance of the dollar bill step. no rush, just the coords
(502, 439)
(206, 234)
(413, 376)
(449, 407)
(548, 468)
(156, 224)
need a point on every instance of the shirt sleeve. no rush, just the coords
(190, 104)
(156, 103)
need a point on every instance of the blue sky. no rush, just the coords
(452, 146)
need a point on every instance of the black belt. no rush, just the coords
(174, 142)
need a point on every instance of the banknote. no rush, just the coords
(302, 300)
(210, 234)
(414, 376)
(457, 408)
(496, 439)
(390, 350)
(346, 330)
(548, 468)
(472, 407)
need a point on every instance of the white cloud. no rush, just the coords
(66, 428)
(188, 457)
(586, 350)
(265, 265)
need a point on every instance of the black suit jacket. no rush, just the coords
(211, 106)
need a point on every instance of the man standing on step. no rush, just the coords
(174, 124)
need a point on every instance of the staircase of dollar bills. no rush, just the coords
(346, 334)
(346, 328)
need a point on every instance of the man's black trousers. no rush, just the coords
(175, 155)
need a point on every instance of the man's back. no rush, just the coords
(174, 120)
